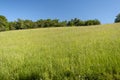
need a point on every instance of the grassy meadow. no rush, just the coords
(63, 53)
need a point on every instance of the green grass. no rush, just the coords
(66, 53)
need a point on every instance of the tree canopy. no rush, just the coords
(117, 19)
(3, 23)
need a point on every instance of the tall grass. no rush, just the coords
(69, 53)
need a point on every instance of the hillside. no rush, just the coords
(63, 53)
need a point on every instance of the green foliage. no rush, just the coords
(20, 24)
(76, 53)
(28, 24)
(62, 24)
(42, 23)
(3, 23)
(92, 22)
(78, 22)
(117, 19)
(75, 22)
(12, 25)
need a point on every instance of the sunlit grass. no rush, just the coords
(66, 53)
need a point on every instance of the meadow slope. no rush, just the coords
(63, 53)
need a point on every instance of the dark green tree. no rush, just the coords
(3, 23)
(78, 22)
(117, 19)
(39, 23)
(89, 22)
(12, 25)
(92, 22)
(19, 24)
(96, 22)
(55, 22)
(28, 24)
(62, 24)
(71, 22)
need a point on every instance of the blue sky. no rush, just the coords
(103, 10)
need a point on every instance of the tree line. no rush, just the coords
(42, 23)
